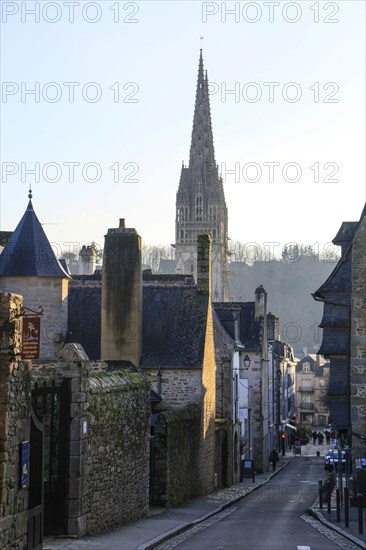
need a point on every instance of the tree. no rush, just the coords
(152, 254)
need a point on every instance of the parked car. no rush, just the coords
(331, 460)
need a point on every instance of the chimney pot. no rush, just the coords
(122, 224)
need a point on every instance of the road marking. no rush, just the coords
(178, 539)
(303, 548)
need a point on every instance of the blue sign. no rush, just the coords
(24, 464)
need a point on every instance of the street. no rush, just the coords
(269, 518)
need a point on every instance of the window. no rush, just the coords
(306, 367)
(199, 208)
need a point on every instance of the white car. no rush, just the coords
(331, 460)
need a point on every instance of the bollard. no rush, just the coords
(320, 494)
(346, 507)
(329, 493)
(360, 519)
(338, 504)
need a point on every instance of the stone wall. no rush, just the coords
(51, 293)
(176, 456)
(117, 462)
(106, 437)
(108, 443)
(14, 426)
(224, 349)
(207, 442)
(177, 387)
(358, 339)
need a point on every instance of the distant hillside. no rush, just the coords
(289, 286)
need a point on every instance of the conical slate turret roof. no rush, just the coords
(28, 251)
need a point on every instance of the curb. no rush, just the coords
(151, 544)
(352, 538)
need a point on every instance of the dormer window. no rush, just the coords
(306, 367)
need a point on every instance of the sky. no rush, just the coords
(109, 121)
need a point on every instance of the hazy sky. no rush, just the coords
(110, 121)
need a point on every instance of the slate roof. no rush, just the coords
(335, 342)
(4, 237)
(250, 328)
(28, 251)
(84, 318)
(334, 316)
(340, 280)
(166, 279)
(338, 382)
(167, 266)
(339, 413)
(345, 233)
(174, 326)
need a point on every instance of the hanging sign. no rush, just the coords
(31, 336)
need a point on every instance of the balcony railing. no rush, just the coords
(307, 406)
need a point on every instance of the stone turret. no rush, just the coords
(29, 267)
(122, 295)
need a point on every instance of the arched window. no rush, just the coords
(199, 203)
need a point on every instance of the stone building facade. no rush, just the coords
(358, 338)
(200, 203)
(343, 295)
(29, 267)
(178, 354)
(246, 323)
(312, 382)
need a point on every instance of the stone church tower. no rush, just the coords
(200, 203)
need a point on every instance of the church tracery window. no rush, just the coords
(199, 203)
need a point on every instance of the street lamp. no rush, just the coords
(246, 361)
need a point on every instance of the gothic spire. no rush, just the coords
(202, 147)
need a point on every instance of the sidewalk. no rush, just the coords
(162, 524)
(330, 520)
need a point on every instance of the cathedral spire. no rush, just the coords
(202, 147)
(200, 205)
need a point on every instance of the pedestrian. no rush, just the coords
(327, 436)
(273, 457)
(314, 436)
(320, 438)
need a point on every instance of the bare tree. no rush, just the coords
(152, 254)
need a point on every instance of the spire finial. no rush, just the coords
(30, 195)
(201, 38)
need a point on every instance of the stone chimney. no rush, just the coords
(237, 326)
(204, 244)
(87, 260)
(121, 337)
(273, 327)
(260, 302)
